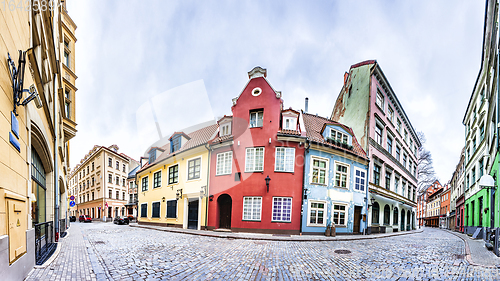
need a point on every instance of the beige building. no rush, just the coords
(37, 122)
(99, 183)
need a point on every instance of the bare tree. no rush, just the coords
(426, 174)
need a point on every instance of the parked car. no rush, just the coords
(85, 218)
(72, 218)
(121, 220)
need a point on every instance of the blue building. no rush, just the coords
(335, 178)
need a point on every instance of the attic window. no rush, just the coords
(256, 91)
(225, 129)
(289, 123)
(336, 135)
(175, 143)
(152, 156)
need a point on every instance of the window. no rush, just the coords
(390, 114)
(172, 209)
(157, 179)
(336, 135)
(387, 215)
(224, 163)
(481, 168)
(117, 180)
(375, 213)
(406, 136)
(66, 58)
(256, 118)
(92, 166)
(117, 194)
(380, 100)
(145, 184)
(395, 216)
(339, 214)
(376, 174)
(67, 107)
(152, 156)
(389, 144)
(117, 165)
(378, 134)
(289, 123)
(252, 208)
(110, 178)
(481, 133)
(110, 194)
(123, 182)
(93, 181)
(110, 162)
(225, 129)
(387, 180)
(473, 145)
(156, 210)
(359, 179)
(319, 169)
(282, 209)
(254, 160)
(396, 184)
(123, 168)
(405, 156)
(144, 210)
(473, 176)
(285, 159)
(123, 195)
(341, 175)
(398, 152)
(399, 125)
(173, 174)
(316, 213)
(194, 169)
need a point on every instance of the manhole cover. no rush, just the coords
(342, 252)
(99, 242)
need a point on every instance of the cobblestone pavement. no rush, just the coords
(129, 253)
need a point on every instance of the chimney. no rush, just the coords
(307, 105)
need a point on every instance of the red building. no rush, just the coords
(257, 163)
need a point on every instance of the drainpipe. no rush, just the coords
(307, 144)
(207, 193)
(56, 181)
(366, 195)
(493, 191)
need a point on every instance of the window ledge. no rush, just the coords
(321, 184)
(316, 225)
(252, 220)
(281, 221)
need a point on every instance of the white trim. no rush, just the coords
(335, 163)
(346, 212)
(159, 215)
(263, 158)
(243, 211)
(258, 89)
(187, 168)
(312, 166)
(363, 178)
(325, 212)
(284, 159)
(223, 168)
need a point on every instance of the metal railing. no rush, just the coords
(62, 227)
(44, 245)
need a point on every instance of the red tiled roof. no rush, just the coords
(314, 125)
(289, 132)
(196, 138)
(221, 139)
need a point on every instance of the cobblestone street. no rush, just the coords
(130, 253)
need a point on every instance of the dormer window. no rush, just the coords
(152, 156)
(256, 118)
(225, 129)
(336, 135)
(175, 143)
(289, 123)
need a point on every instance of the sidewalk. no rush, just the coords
(476, 253)
(273, 237)
(71, 260)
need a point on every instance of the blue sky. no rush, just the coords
(190, 58)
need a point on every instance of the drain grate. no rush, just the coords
(459, 257)
(99, 242)
(343, 252)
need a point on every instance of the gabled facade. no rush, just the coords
(444, 210)
(259, 141)
(335, 178)
(172, 187)
(458, 194)
(369, 106)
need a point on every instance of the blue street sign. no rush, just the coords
(72, 204)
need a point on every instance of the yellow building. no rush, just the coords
(35, 130)
(173, 183)
(99, 183)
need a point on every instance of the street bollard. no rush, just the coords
(333, 231)
(327, 231)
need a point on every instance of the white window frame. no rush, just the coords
(336, 164)
(379, 99)
(142, 183)
(254, 165)
(377, 140)
(286, 158)
(225, 129)
(325, 213)
(363, 179)
(346, 213)
(390, 114)
(311, 175)
(187, 168)
(223, 167)
(334, 134)
(251, 211)
(159, 214)
(256, 113)
(282, 210)
(292, 123)
(168, 174)
(154, 179)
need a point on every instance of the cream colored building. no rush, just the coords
(99, 183)
(35, 131)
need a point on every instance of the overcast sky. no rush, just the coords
(183, 62)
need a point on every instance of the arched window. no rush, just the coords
(39, 187)
(387, 215)
(375, 213)
(396, 216)
(408, 221)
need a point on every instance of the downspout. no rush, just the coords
(366, 195)
(207, 193)
(56, 182)
(307, 144)
(493, 191)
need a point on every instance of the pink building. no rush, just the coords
(370, 107)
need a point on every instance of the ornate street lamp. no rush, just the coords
(268, 179)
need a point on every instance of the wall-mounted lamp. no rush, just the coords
(268, 179)
(211, 197)
(178, 195)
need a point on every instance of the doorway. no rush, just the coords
(402, 220)
(357, 219)
(225, 208)
(193, 214)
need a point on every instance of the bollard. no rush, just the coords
(333, 231)
(327, 231)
